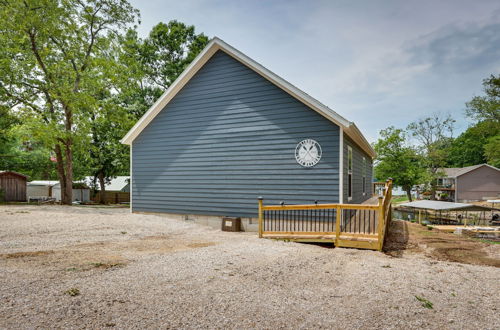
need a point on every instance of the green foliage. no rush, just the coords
(486, 110)
(397, 160)
(492, 150)
(469, 147)
(486, 107)
(425, 303)
(73, 292)
(168, 50)
(53, 55)
(155, 62)
(434, 135)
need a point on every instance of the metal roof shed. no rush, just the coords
(445, 206)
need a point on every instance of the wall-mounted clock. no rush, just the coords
(308, 153)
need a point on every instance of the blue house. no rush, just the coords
(229, 130)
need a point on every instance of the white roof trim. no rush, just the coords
(217, 44)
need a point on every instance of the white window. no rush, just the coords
(349, 173)
(364, 176)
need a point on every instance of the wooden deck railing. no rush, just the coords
(346, 225)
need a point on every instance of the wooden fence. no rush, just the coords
(112, 197)
(347, 225)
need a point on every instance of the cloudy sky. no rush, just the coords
(377, 63)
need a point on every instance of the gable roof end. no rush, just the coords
(454, 172)
(217, 44)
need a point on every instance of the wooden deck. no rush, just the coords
(346, 225)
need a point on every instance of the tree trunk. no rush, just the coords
(433, 192)
(69, 174)
(65, 172)
(60, 170)
(102, 194)
(408, 194)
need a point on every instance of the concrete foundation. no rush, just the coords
(247, 224)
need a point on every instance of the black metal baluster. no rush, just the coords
(264, 222)
(279, 220)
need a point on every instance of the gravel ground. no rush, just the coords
(138, 271)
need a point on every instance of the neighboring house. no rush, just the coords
(228, 131)
(40, 188)
(471, 183)
(12, 186)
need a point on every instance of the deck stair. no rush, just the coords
(362, 226)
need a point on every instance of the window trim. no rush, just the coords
(364, 176)
(350, 165)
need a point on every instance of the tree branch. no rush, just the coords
(34, 48)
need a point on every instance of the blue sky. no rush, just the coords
(377, 63)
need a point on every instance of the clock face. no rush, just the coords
(308, 153)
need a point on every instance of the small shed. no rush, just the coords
(448, 213)
(12, 186)
(81, 192)
(40, 189)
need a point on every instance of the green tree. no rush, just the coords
(7, 141)
(492, 150)
(168, 50)
(52, 53)
(485, 110)
(469, 147)
(486, 107)
(397, 160)
(107, 157)
(434, 135)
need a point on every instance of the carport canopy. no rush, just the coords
(446, 206)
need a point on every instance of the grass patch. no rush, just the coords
(386, 266)
(425, 303)
(73, 292)
(104, 265)
(400, 199)
(123, 232)
(487, 241)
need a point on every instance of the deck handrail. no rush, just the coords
(335, 217)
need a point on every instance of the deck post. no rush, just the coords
(338, 218)
(381, 220)
(261, 229)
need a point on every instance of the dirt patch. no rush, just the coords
(16, 255)
(100, 255)
(200, 245)
(406, 237)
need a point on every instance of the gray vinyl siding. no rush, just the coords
(357, 173)
(226, 138)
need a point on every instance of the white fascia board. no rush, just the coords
(355, 134)
(341, 165)
(217, 44)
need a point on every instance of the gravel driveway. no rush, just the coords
(80, 267)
